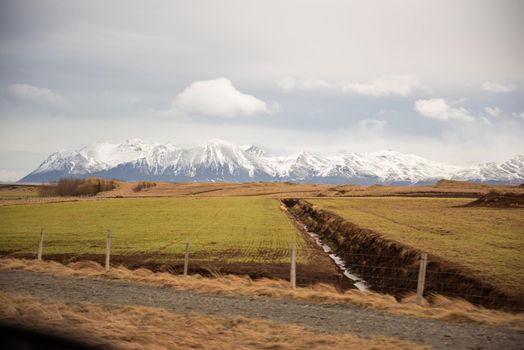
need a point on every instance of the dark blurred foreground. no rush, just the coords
(24, 338)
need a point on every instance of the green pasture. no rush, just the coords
(236, 229)
(489, 241)
(17, 194)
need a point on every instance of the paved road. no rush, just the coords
(337, 318)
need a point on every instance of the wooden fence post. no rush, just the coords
(421, 277)
(186, 258)
(40, 244)
(293, 276)
(108, 249)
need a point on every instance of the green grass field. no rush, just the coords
(236, 229)
(17, 194)
(489, 241)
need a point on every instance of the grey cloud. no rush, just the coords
(493, 86)
(37, 97)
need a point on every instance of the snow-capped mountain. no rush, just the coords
(222, 161)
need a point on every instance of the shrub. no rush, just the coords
(143, 184)
(77, 187)
(47, 191)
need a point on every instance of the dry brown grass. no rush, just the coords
(152, 328)
(217, 189)
(141, 185)
(283, 189)
(286, 190)
(442, 308)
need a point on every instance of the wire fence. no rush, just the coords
(302, 262)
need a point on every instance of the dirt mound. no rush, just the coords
(499, 200)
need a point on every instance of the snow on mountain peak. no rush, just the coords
(219, 160)
(255, 150)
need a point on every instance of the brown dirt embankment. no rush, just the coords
(499, 200)
(392, 267)
(321, 271)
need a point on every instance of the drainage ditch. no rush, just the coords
(390, 267)
(356, 281)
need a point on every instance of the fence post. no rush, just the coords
(40, 244)
(108, 248)
(293, 276)
(421, 277)
(186, 258)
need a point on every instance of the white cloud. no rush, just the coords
(519, 115)
(8, 176)
(35, 96)
(383, 86)
(493, 86)
(289, 84)
(372, 125)
(286, 84)
(315, 84)
(218, 98)
(438, 108)
(493, 111)
(274, 107)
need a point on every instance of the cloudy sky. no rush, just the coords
(441, 79)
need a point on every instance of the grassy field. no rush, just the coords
(234, 229)
(17, 194)
(488, 241)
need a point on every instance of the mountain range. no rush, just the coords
(218, 160)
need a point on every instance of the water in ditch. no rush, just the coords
(358, 282)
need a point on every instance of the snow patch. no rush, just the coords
(359, 283)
